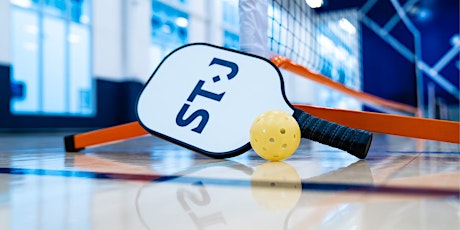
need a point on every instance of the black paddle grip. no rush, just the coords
(354, 141)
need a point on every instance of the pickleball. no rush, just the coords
(275, 135)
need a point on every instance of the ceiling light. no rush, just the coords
(314, 3)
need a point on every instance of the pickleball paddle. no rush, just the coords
(205, 98)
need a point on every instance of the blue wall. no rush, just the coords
(387, 74)
(5, 93)
(441, 24)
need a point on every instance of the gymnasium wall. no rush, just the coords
(389, 75)
(386, 73)
(4, 26)
(121, 61)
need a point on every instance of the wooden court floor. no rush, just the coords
(148, 183)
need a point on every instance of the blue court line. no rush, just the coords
(306, 186)
(426, 153)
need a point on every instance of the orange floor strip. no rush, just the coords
(80, 141)
(290, 66)
(430, 129)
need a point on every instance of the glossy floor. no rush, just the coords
(148, 183)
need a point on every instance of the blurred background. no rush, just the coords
(80, 64)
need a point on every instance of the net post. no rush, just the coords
(254, 26)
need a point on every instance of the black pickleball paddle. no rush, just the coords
(354, 141)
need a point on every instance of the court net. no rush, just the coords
(326, 48)
(322, 47)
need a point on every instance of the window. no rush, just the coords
(231, 24)
(51, 58)
(169, 28)
(231, 40)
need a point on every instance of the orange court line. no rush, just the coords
(290, 66)
(424, 128)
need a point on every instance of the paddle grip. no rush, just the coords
(354, 141)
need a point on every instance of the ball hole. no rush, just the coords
(272, 140)
(284, 146)
(264, 148)
(282, 131)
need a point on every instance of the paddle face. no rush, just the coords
(205, 98)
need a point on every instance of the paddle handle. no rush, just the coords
(354, 141)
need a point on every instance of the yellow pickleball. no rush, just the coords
(275, 135)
